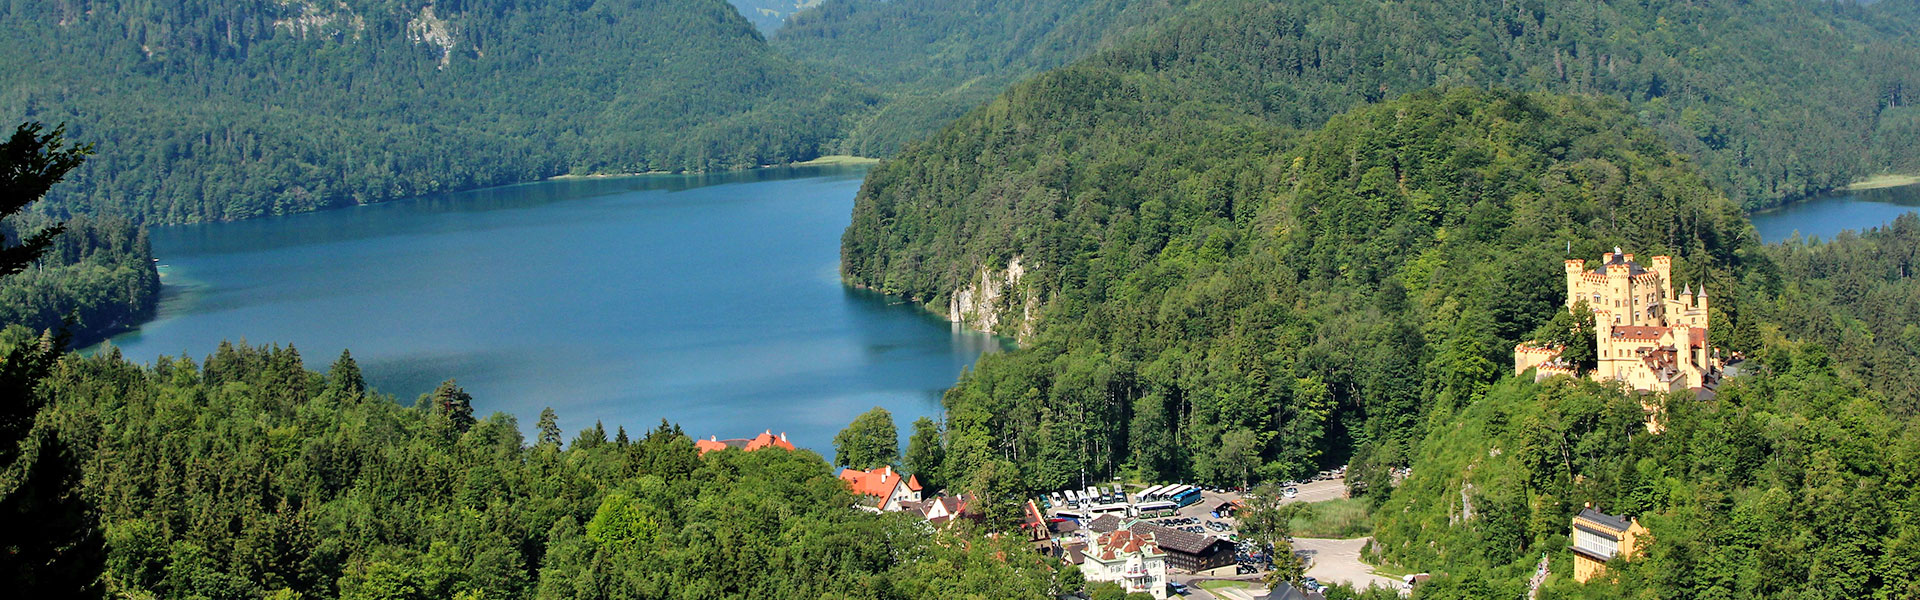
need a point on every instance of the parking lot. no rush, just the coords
(1198, 517)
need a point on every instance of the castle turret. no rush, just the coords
(1703, 297)
(1664, 266)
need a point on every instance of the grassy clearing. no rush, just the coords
(1221, 584)
(838, 159)
(1883, 181)
(1339, 519)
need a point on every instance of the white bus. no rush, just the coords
(1105, 509)
(1156, 506)
(1152, 493)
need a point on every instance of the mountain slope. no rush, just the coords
(236, 110)
(937, 59)
(1774, 98)
(1227, 302)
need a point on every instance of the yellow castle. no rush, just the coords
(1647, 336)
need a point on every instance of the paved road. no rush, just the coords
(1339, 561)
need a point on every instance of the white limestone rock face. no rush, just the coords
(994, 301)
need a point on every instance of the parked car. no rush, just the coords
(1290, 492)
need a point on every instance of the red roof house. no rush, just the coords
(887, 487)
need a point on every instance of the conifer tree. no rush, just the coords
(549, 428)
(50, 545)
(452, 402)
(344, 378)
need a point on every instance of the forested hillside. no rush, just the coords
(1795, 482)
(937, 59)
(1774, 99)
(245, 475)
(97, 279)
(1225, 305)
(235, 110)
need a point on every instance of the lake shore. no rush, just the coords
(823, 161)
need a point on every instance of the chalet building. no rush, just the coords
(1648, 335)
(1599, 537)
(947, 508)
(1131, 559)
(766, 439)
(1190, 552)
(884, 487)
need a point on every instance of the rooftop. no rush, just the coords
(877, 482)
(1177, 540)
(766, 439)
(1613, 522)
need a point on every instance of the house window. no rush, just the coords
(1596, 544)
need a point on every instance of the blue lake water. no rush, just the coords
(1826, 216)
(711, 301)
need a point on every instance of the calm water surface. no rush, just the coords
(713, 301)
(1827, 216)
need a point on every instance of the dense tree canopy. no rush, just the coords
(1229, 303)
(869, 442)
(243, 109)
(246, 475)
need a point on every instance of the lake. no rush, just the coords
(1827, 216)
(711, 301)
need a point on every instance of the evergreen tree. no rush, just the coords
(453, 403)
(868, 442)
(344, 378)
(549, 426)
(50, 546)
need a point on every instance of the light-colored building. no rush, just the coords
(1599, 537)
(1647, 334)
(1133, 560)
(884, 487)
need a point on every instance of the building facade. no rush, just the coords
(1599, 537)
(1647, 335)
(1135, 561)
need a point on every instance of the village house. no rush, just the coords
(1646, 335)
(1133, 560)
(1599, 537)
(885, 488)
(766, 439)
(1190, 552)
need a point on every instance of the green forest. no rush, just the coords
(97, 279)
(225, 111)
(244, 475)
(1232, 301)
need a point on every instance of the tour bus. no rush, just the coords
(1147, 495)
(1156, 506)
(1105, 509)
(1119, 493)
(1093, 495)
(1187, 496)
(1068, 514)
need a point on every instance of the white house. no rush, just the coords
(1133, 560)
